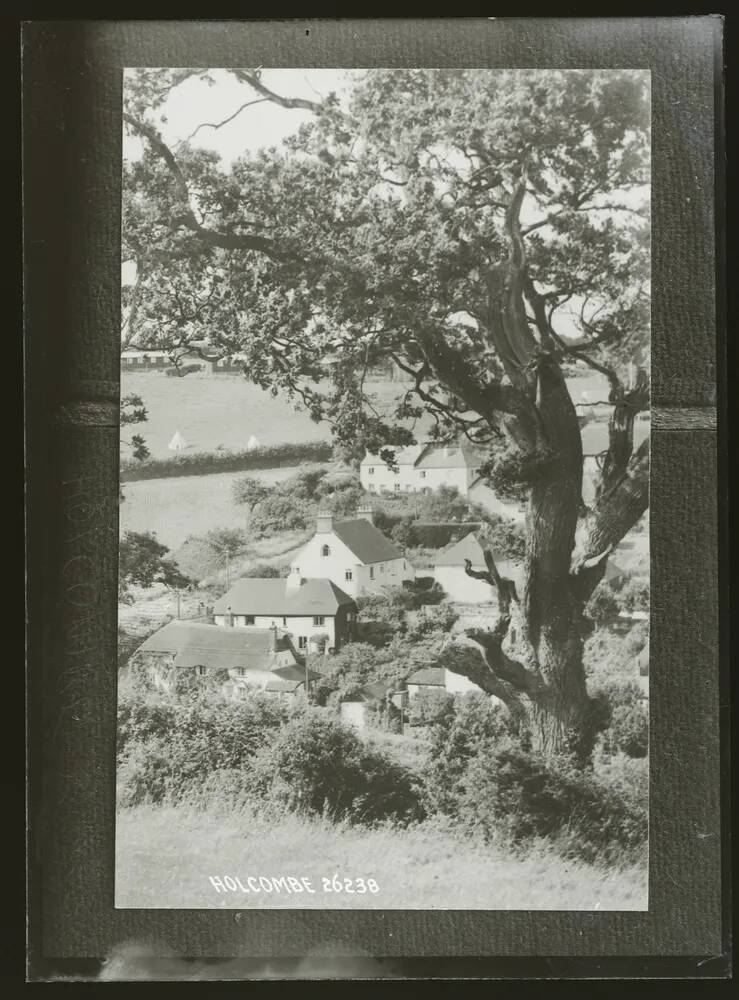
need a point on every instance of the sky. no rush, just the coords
(261, 125)
(196, 102)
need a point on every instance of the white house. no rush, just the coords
(449, 571)
(423, 466)
(353, 554)
(439, 679)
(318, 615)
(242, 658)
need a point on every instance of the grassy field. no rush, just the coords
(165, 856)
(189, 505)
(225, 410)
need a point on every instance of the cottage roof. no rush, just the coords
(253, 596)
(595, 440)
(366, 541)
(430, 676)
(372, 692)
(428, 455)
(194, 644)
(466, 548)
(288, 686)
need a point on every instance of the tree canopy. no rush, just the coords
(486, 230)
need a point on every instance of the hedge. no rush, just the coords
(203, 463)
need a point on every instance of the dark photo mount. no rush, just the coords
(72, 189)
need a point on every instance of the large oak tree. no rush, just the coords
(488, 231)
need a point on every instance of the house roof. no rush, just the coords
(454, 456)
(431, 676)
(255, 596)
(428, 455)
(194, 644)
(366, 541)
(284, 685)
(594, 436)
(373, 692)
(456, 553)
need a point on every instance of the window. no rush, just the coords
(302, 641)
(382, 567)
(372, 572)
(284, 622)
(371, 470)
(241, 671)
(404, 566)
(423, 473)
(372, 487)
(319, 620)
(247, 619)
(200, 670)
(325, 550)
(348, 575)
(397, 487)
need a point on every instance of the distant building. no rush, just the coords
(439, 679)
(240, 658)
(353, 554)
(423, 467)
(319, 615)
(449, 571)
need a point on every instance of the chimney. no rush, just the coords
(275, 640)
(294, 579)
(366, 514)
(324, 522)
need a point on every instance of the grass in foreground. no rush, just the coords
(165, 855)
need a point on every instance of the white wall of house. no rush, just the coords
(298, 626)
(342, 568)
(487, 498)
(462, 588)
(408, 479)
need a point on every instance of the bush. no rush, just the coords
(204, 463)
(167, 750)
(515, 795)
(429, 707)
(277, 513)
(628, 732)
(318, 766)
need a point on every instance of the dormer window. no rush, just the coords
(325, 550)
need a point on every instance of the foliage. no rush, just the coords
(318, 766)
(278, 512)
(142, 561)
(249, 491)
(168, 748)
(515, 795)
(603, 605)
(429, 706)
(205, 463)
(629, 731)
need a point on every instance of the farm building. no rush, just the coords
(353, 554)
(449, 572)
(318, 615)
(240, 658)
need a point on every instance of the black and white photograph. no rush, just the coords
(384, 561)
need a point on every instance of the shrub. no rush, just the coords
(204, 463)
(603, 605)
(628, 732)
(318, 766)
(429, 707)
(277, 513)
(516, 795)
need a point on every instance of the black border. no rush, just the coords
(72, 89)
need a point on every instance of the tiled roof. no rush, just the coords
(466, 548)
(253, 596)
(431, 676)
(366, 541)
(194, 644)
(428, 455)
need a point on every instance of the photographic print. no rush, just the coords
(383, 623)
